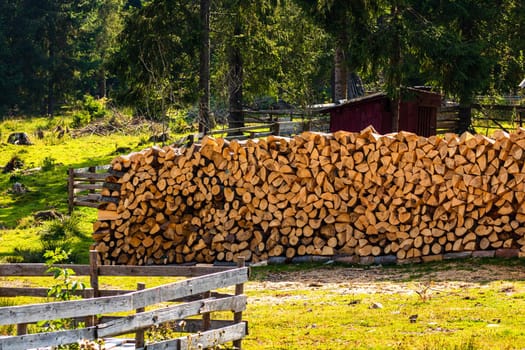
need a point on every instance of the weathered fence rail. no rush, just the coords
(199, 289)
(488, 117)
(263, 129)
(85, 186)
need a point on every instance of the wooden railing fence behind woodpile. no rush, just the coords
(194, 296)
(85, 186)
(277, 128)
(490, 117)
(447, 120)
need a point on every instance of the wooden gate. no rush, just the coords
(195, 296)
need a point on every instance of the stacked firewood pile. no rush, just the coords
(359, 194)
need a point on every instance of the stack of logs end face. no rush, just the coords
(357, 194)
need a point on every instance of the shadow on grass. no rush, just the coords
(479, 270)
(46, 190)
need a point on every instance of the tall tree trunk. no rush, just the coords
(395, 70)
(50, 103)
(340, 72)
(465, 117)
(101, 78)
(235, 82)
(396, 106)
(205, 122)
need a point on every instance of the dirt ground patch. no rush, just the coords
(370, 280)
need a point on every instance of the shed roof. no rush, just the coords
(376, 96)
(357, 100)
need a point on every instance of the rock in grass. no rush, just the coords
(19, 138)
(46, 215)
(376, 306)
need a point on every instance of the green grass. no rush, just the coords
(48, 189)
(483, 315)
(480, 316)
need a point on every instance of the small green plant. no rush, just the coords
(80, 119)
(63, 289)
(48, 163)
(26, 256)
(92, 345)
(95, 108)
(64, 277)
(59, 233)
(425, 291)
(165, 331)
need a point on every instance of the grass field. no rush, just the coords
(474, 304)
(43, 172)
(471, 304)
(411, 307)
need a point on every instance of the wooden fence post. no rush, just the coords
(21, 328)
(206, 317)
(237, 316)
(93, 170)
(274, 128)
(93, 281)
(139, 335)
(93, 272)
(71, 189)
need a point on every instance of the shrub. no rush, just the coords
(80, 119)
(26, 256)
(26, 222)
(180, 126)
(59, 233)
(88, 110)
(95, 108)
(13, 164)
(63, 290)
(48, 164)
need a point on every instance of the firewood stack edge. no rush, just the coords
(359, 195)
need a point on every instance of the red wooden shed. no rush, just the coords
(417, 113)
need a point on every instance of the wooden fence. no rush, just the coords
(278, 128)
(195, 296)
(487, 117)
(85, 186)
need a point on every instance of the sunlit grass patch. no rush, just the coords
(473, 318)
